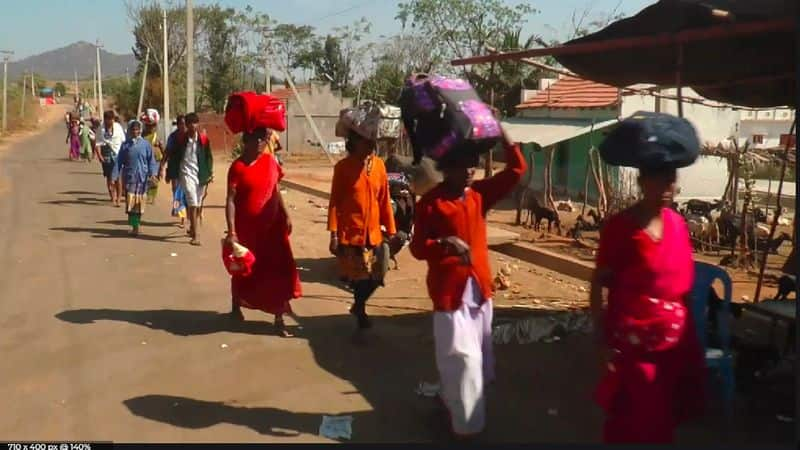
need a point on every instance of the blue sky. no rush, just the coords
(35, 26)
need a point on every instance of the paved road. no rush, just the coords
(105, 337)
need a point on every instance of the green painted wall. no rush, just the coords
(569, 166)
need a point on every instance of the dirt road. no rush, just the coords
(105, 337)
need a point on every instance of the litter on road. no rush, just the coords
(336, 427)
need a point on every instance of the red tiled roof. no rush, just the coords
(286, 93)
(572, 92)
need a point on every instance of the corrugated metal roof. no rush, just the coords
(573, 92)
(549, 131)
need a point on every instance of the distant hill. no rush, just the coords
(61, 63)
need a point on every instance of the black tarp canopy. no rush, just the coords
(753, 68)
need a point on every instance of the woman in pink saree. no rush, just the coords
(654, 373)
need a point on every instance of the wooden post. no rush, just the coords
(310, 120)
(678, 81)
(775, 216)
(22, 106)
(489, 160)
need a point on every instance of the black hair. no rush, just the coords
(109, 115)
(658, 171)
(258, 133)
(456, 158)
(192, 118)
(180, 117)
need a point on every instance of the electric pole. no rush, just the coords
(267, 74)
(189, 57)
(94, 89)
(7, 54)
(77, 90)
(99, 77)
(165, 74)
(144, 82)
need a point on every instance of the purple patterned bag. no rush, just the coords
(441, 114)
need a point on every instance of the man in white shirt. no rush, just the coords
(196, 171)
(109, 140)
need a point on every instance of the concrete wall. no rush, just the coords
(324, 107)
(714, 125)
(770, 129)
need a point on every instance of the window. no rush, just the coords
(791, 138)
(758, 139)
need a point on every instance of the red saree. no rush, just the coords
(261, 227)
(656, 380)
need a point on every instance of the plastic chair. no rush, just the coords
(719, 359)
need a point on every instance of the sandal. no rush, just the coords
(280, 328)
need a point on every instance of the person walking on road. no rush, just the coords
(171, 166)
(651, 359)
(450, 234)
(257, 218)
(137, 168)
(87, 137)
(150, 119)
(109, 141)
(359, 206)
(196, 171)
(74, 137)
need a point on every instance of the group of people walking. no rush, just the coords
(135, 160)
(653, 372)
(652, 365)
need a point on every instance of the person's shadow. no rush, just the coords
(195, 414)
(176, 322)
(114, 233)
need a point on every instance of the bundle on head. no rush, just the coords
(247, 111)
(443, 115)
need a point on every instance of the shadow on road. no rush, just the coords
(82, 193)
(320, 270)
(177, 322)
(124, 223)
(91, 201)
(106, 233)
(82, 172)
(195, 414)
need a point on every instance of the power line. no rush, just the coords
(344, 11)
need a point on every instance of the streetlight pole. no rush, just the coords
(267, 54)
(99, 78)
(7, 54)
(189, 57)
(165, 73)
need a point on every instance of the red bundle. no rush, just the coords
(247, 111)
(238, 259)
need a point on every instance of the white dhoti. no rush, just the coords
(193, 190)
(465, 359)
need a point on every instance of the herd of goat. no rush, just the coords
(712, 225)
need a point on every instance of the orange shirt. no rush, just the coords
(359, 202)
(440, 214)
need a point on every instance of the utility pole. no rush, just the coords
(7, 54)
(94, 89)
(165, 74)
(33, 85)
(189, 57)
(24, 91)
(144, 82)
(267, 72)
(99, 77)
(77, 90)
(127, 76)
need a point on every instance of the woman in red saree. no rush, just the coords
(257, 219)
(654, 372)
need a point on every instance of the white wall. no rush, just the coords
(714, 125)
(704, 180)
(770, 129)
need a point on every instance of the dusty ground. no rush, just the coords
(105, 337)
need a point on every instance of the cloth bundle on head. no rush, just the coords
(132, 123)
(363, 120)
(150, 117)
(649, 140)
(248, 111)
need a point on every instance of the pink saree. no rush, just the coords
(656, 379)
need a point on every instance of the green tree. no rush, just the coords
(335, 58)
(221, 44)
(462, 28)
(289, 42)
(60, 89)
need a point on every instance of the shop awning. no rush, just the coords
(549, 131)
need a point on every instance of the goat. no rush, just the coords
(550, 215)
(786, 285)
(598, 220)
